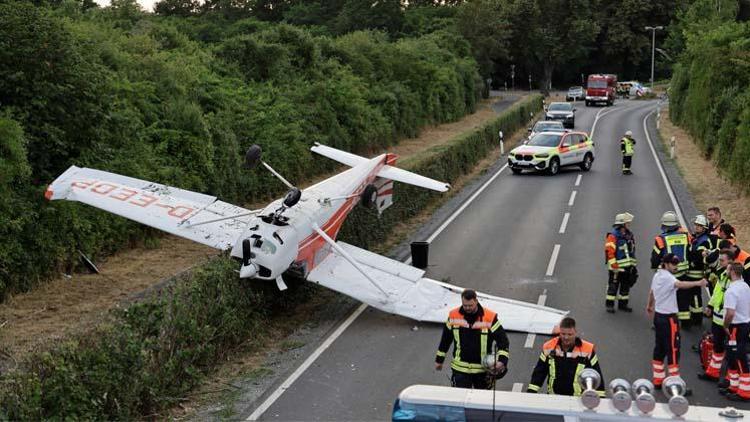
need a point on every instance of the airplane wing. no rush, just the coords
(180, 212)
(411, 295)
(388, 172)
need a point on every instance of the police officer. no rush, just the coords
(627, 147)
(737, 328)
(715, 310)
(662, 307)
(702, 253)
(473, 328)
(619, 249)
(675, 240)
(562, 359)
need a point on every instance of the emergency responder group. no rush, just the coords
(685, 263)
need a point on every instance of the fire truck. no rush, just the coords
(601, 89)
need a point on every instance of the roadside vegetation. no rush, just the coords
(146, 357)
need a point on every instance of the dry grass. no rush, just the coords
(707, 187)
(65, 306)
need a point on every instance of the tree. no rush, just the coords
(366, 14)
(484, 25)
(177, 7)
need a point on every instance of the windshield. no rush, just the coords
(545, 140)
(560, 107)
(597, 84)
(575, 88)
(546, 126)
(267, 247)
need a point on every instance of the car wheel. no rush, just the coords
(516, 170)
(554, 166)
(588, 159)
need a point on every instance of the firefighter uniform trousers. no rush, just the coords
(697, 270)
(666, 347)
(738, 372)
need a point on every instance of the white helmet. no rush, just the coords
(627, 217)
(619, 220)
(700, 220)
(629, 133)
(669, 219)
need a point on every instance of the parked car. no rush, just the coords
(575, 93)
(564, 112)
(549, 151)
(638, 90)
(546, 126)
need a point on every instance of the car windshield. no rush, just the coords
(548, 126)
(545, 140)
(575, 89)
(597, 84)
(560, 107)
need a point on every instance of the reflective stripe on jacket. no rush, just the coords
(472, 341)
(627, 146)
(561, 368)
(618, 251)
(676, 242)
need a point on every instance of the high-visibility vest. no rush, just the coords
(675, 242)
(618, 251)
(717, 299)
(456, 322)
(582, 353)
(629, 146)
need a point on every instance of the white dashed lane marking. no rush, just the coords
(564, 222)
(553, 260)
(572, 199)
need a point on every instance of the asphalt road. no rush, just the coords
(502, 244)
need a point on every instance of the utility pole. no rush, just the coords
(529, 82)
(653, 30)
(513, 77)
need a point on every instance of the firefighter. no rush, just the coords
(715, 310)
(743, 258)
(675, 240)
(473, 329)
(627, 147)
(562, 359)
(737, 328)
(619, 249)
(702, 253)
(662, 308)
(714, 220)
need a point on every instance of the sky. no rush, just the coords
(146, 4)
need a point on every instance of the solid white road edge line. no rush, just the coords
(553, 260)
(532, 336)
(572, 199)
(306, 364)
(517, 387)
(578, 179)
(564, 223)
(258, 412)
(663, 174)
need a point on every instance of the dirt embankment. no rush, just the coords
(706, 185)
(72, 304)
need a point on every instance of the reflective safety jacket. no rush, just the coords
(561, 368)
(627, 146)
(619, 250)
(472, 336)
(716, 303)
(744, 259)
(676, 241)
(698, 264)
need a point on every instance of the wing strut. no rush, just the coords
(349, 258)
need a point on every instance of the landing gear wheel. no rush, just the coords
(587, 161)
(516, 170)
(369, 196)
(554, 166)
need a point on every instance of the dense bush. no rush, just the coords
(150, 354)
(710, 96)
(177, 100)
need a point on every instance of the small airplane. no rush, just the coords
(295, 235)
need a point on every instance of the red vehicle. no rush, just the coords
(601, 89)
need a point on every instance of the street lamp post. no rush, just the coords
(512, 77)
(529, 82)
(653, 30)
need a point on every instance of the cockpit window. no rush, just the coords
(267, 247)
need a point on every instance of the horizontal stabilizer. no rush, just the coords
(166, 208)
(388, 172)
(413, 296)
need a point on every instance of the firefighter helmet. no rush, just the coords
(619, 220)
(669, 219)
(700, 220)
(629, 133)
(627, 217)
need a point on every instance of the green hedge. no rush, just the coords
(150, 97)
(710, 97)
(151, 353)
